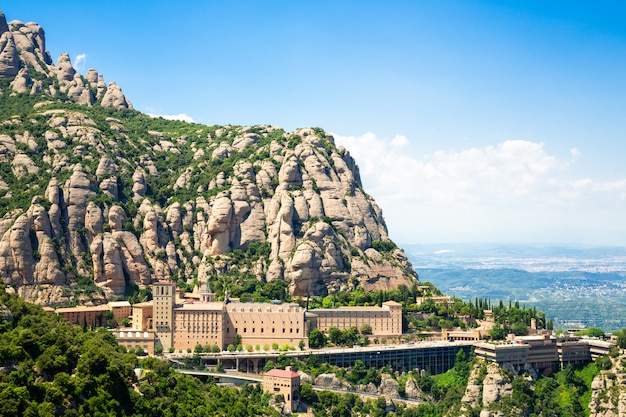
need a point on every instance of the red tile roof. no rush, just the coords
(282, 373)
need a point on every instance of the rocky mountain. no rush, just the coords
(97, 199)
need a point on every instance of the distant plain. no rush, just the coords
(575, 286)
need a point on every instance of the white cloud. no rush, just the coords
(511, 191)
(182, 117)
(399, 141)
(81, 62)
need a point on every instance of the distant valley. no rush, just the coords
(575, 286)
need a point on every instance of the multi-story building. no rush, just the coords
(384, 321)
(84, 315)
(199, 323)
(202, 321)
(458, 334)
(511, 355)
(163, 297)
(121, 310)
(142, 315)
(572, 351)
(285, 382)
(265, 323)
(542, 352)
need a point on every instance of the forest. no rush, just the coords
(51, 368)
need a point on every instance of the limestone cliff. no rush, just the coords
(98, 197)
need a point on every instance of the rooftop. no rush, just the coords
(211, 306)
(282, 373)
(119, 303)
(81, 308)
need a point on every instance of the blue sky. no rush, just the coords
(471, 121)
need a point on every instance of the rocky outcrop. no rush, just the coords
(113, 97)
(487, 385)
(9, 58)
(330, 381)
(608, 394)
(23, 57)
(412, 390)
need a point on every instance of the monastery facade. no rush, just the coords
(207, 322)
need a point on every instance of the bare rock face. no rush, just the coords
(3, 23)
(92, 77)
(22, 82)
(412, 390)
(9, 58)
(107, 264)
(118, 254)
(23, 165)
(495, 385)
(330, 381)
(65, 70)
(47, 268)
(26, 250)
(80, 93)
(219, 225)
(16, 252)
(77, 190)
(114, 98)
(388, 386)
(139, 184)
(101, 87)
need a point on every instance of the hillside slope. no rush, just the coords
(97, 199)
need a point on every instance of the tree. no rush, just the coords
(621, 338)
(461, 365)
(335, 336)
(366, 329)
(307, 394)
(357, 373)
(269, 365)
(591, 332)
(317, 339)
(497, 332)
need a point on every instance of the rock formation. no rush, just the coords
(486, 386)
(608, 394)
(24, 59)
(107, 200)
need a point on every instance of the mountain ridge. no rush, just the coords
(100, 199)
